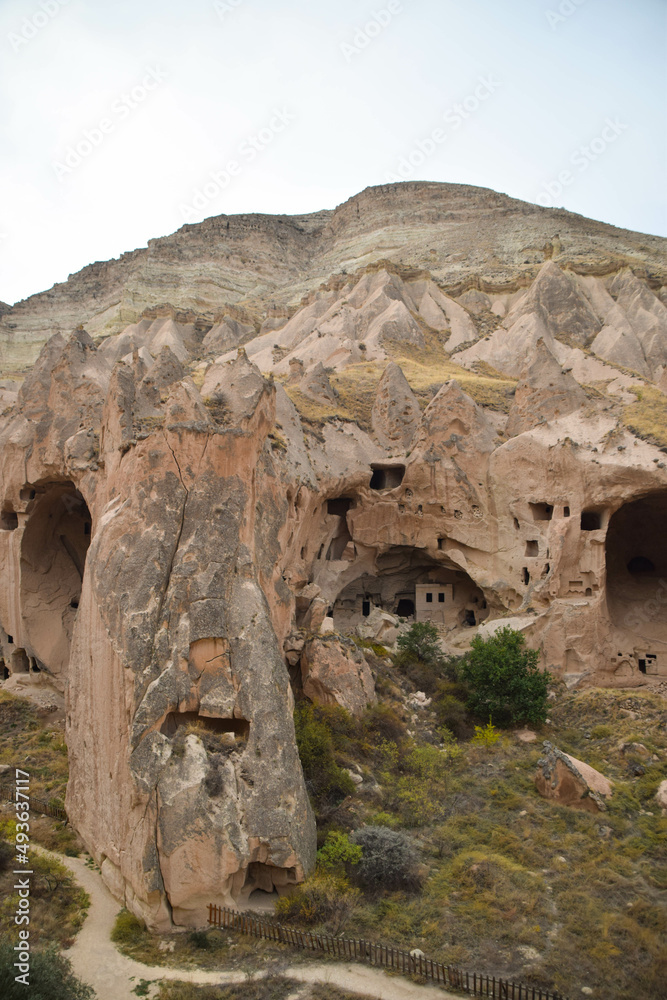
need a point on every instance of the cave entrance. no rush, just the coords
(410, 584)
(636, 576)
(53, 557)
(387, 477)
(263, 885)
(176, 720)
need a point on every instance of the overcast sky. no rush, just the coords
(122, 119)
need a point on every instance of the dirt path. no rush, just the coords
(113, 976)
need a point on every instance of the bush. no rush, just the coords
(126, 928)
(327, 783)
(421, 641)
(486, 736)
(420, 657)
(452, 713)
(382, 723)
(506, 684)
(388, 859)
(337, 853)
(6, 855)
(324, 898)
(51, 977)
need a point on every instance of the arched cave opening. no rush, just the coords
(410, 584)
(206, 723)
(636, 569)
(53, 558)
(264, 883)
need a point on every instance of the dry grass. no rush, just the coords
(25, 738)
(647, 418)
(57, 905)
(425, 371)
(313, 412)
(27, 742)
(583, 895)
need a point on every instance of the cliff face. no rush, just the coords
(184, 523)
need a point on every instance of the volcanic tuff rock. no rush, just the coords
(180, 518)
(570, 782)
(464, 237)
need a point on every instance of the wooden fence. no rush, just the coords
(36, 804)
(414, 963)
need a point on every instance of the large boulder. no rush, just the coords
(380, 626)
(335, 672)
(661, 796)
(570, 782)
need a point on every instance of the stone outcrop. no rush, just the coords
(335, 672)
(570, 782)
(316, 384)
(661, 796)
(544, 393)
(396, 411)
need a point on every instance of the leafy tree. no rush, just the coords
(51, 977)
(421, 641)
(506, 684)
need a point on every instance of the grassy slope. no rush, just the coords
(515, 885)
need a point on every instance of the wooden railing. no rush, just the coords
(36, 804)
(394, 959)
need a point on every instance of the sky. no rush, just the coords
(121, 120)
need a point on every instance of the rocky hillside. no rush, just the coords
(279, 435)
(462, 237)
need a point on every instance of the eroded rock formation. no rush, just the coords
(187, 536)
(570, 782)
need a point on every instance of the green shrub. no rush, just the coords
(388, 860)
(127, 928)
(452, 713)
(200, 939)
(420, 657)
(326, 781)
(337, 853)
(506, 684)
(6, 855)
(421, 641)
(486, 736)
(51, 977)
(382, 722)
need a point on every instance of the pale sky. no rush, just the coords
(115, 114)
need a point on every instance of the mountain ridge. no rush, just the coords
(465, 236)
